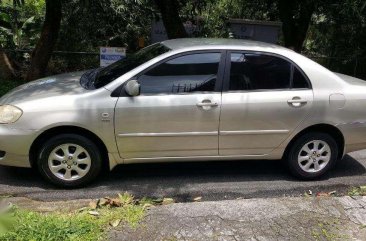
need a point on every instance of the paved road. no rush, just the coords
(300, 219)
(184, 181)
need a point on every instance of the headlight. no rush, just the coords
(9, 114)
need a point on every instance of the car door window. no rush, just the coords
(189, 73)
(298, 80)
(259, 72)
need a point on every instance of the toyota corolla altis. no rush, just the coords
(185, 100)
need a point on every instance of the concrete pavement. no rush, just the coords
(254, 219)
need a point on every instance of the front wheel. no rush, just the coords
(69, 160)
(312, 155)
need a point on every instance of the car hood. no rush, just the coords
(64, 84)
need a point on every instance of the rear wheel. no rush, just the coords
(312, 155)
(69, 160)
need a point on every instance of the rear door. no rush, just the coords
(265, 98)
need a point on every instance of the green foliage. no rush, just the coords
(336, 35)
(6, 86)
(83, 225)
(339, 32)
(335, 38)
(357, 191)
(328, 230)
(20, 24)
(50, 227)
(97, 23)
(214, 14)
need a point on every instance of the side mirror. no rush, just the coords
(132, 88)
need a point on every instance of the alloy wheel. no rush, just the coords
(314, 156)
(69, 162)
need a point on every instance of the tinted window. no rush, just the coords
(189, 73)
(258, 71)
(299, 81)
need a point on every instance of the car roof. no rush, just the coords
(176, 44)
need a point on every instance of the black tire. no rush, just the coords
(294, 150)
(54, 142)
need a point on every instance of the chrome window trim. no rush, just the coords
(263, 90)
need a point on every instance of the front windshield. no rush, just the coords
(98, 78)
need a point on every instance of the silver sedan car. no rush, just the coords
(185, 100)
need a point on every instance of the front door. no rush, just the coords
(177, 112)
(265, 98)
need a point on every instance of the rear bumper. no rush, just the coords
(15, 144)
(354, 136)
(355, 147)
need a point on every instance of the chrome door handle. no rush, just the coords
(297, 102)
(207, 104)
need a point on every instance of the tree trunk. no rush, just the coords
(295, 16)
(169, 10)
(43, 50)
(7, 71)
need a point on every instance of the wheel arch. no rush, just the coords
(54, 131)
(324, 128)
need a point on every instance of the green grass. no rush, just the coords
(20, 225)
(328, 230)
(6, 86)
(2, 196)
(357, 191)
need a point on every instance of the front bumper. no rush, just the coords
(16, 144)
(15, 160)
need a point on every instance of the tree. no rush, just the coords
(49, 34)
(7, 71)
(296, 17)
(169, 10)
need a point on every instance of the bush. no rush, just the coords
(7, 85)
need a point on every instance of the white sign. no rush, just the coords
(109, 55)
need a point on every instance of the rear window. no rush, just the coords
(264, 72)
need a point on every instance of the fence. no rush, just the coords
(67, 61)
(61, 61)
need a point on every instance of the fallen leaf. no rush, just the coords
(6, 207)
(80, 210)
(93, 205)
(115, 223)
(103, 202)
(115, 202)
(332, 193)
(94, 213)
(158, 201)
(168, 201)
(322, 194)
(197, 199)
(148, 205)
